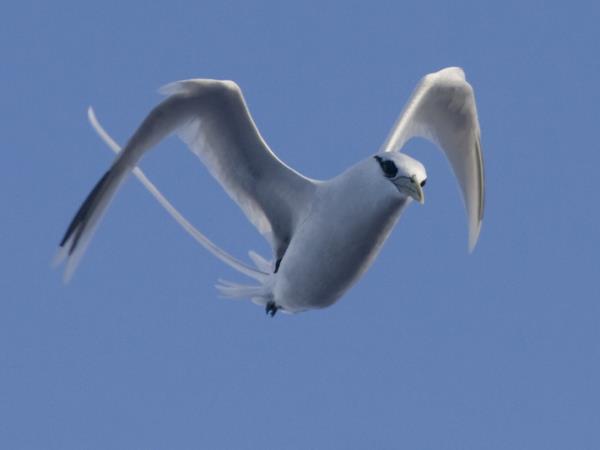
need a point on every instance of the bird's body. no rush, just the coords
(338, 240)
(324, 234)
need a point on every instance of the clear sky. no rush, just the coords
(432, 349)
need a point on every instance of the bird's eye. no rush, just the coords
(423, 182)
(389, 168)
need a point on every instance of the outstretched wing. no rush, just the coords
(216, 125)
(442, 110)
(212, 118)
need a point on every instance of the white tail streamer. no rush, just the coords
(221, 254)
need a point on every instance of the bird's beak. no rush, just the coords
(411, 187)
(420, 195)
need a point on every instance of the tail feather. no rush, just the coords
(261, 263)
(258, 294)
(234, 290)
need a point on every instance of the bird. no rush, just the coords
(323, 235)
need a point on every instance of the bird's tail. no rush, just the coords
(261, 294)
(82, 227)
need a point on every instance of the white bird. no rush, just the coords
(324, 234)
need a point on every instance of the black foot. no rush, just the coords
(271, 308)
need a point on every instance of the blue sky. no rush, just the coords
(433, 348)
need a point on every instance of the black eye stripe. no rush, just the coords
(389, 168)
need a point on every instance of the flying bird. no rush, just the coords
(323, 234)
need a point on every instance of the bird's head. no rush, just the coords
(405, 173)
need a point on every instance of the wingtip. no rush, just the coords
(453, 71)
(474, 236)
(62, 255)
(471, 247)
(59, 257)
(66, 278)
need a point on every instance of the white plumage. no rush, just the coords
(324, 234)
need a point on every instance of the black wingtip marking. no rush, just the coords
(77, 225)
(277, 265)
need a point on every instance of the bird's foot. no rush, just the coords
(271, 308)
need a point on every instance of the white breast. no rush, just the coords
(350, 219)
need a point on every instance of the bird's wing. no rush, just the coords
(212, 118)
(263, 266)
(442, 110)
(217, 126)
